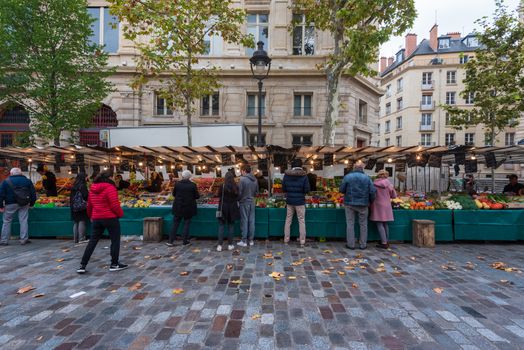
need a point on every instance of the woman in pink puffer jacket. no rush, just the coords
(381, 210)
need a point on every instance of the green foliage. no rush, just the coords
(48, 65)
(358, 28)
(170, 36)
(495, 76)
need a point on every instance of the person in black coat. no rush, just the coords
(48, 180)
(184, 206)
(295, 185)
(78, 205)
(228, 207)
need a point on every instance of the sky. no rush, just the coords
(451, 16)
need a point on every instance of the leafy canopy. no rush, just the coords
(495, 76)
(49, 66)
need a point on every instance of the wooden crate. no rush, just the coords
(424, 233)
(153, 229)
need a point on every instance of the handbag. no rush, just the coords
(221, 205)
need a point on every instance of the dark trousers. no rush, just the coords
(185, 233)
(99, 226)
(230, 231)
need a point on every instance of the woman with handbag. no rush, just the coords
(228, 211)
(78, 205)
(184, 207)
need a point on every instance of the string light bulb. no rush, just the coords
(30, 160)
(418, 157)
(72, 156)
(390, 160)
(140, 164)
(473, 157)
(346, 161)
(172, 167)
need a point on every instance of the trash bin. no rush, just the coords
(424, 233)
(153, 229)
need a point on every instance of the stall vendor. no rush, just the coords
(514, 187)
(156, 182)
(48, 180)
(120, 183)
(262, 181)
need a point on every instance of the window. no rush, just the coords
(302, 105)
(464, 59)
(303, 36)
(472, 41)
(378, 128)
(362, 112)
(388, 142)
(425, 119)
(213, 44)
(443, 43)
(103, 118)
(105, 28)
(253, 139)
(469, 139)
(302, 140)
(510, 138)
(388, 90)
(426, 100)
(399, 56)
(399, 141)
(426, 78)
(210, 105)
(15, 115)
(6, 139)
(387, 126)
(161, 106)
(470, 98)
(450, 139)
(450, 98)
(400, 104)
(451, 77)
(448, 119)
(252, 105)
(258, 26)
(425, 139)
(399, 123)
(388, 108)
(400, 84)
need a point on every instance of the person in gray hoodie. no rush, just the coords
(247, 190)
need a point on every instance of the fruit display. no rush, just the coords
(51, 202)
(466, 202)
(277, 186)
(494, 202)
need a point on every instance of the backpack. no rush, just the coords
(22, 193)
(78, 202)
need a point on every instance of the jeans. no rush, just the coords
(383, 231)
(23, 214)
(362, 212)
(247, 220)
(230, 231)
(185, 233)
(99, 226)
(79, 231)
(301, 216)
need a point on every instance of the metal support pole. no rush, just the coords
(259, 137)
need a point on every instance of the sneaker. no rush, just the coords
(363, 247)
(169, 244)
(118, 267)
(242, 244)
(302, 244)
(3, 243)
(348, 247)
(84, 241)
(186, 243)
(25, 242)
(230, 247)
(383, 246)
(219, 248)
(251, 243)
(81, 270)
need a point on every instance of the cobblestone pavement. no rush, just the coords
(449, 297)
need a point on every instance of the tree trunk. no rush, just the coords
(188, 118)
(330, 123)
(57, 141)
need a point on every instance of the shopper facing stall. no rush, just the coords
(295, 185)
(184, 207)
(78, 204)
(381, 210)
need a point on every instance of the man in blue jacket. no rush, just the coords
(295, 185)
(17, 194)
(359, 192)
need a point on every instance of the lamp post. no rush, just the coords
(260, 66)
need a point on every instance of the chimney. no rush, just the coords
(454, 35)
(390, 61)
(411, 43)
(383, 64)
(433, 35)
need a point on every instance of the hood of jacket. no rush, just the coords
(100, 187)
(251, 177)
(296, 172)
(381, 183)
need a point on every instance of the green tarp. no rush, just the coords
(489, 225)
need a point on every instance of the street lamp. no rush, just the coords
(260, 65)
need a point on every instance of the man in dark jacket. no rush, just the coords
(184, 207)
(247, 190)
(10, 204)
(48, 180)
(359, 192)
(296, 185)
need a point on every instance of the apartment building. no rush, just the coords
(421, 78)
(295, 94)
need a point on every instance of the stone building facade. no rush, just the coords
(295, 99)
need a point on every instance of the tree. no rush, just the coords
(358, 28)
(49, 66)
(170, 36)
(494, 77)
